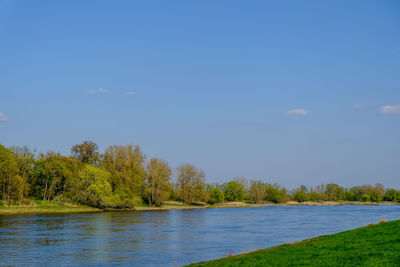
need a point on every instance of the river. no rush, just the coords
(172, 237)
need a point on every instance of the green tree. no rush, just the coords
(216, 195)
(246, 186)
(377, 193)
(349, 195)
(333, 192)
(355, 193)
(157, 181)
(233, 191)
(272, 193)
(313, 195)
(301, 194)
(92, 188)
(365, 198)
(392, 195)
(127, 169)
(51, 173)
(11, 184)
(257, 191)
(25, 160)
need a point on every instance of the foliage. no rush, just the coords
(333, 192)
(216, 195)
(51, 174)
(392, 195)
(301, 194)
(93, 188)
(87, 152)
(157, 181)
(233, 191)
(126, 166)
(365, 198)
(246, 186)
(12, 185)
(274, 193)
(123, 178)
(257, 191)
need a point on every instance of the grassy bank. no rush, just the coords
(374, 245)
(43, 206)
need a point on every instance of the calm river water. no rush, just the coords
(170, 238)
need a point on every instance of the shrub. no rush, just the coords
(272, 194)
(233, 191)
(365, 198)
(216, 196)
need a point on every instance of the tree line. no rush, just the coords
(122, 177)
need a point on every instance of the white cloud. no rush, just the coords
(359, 106)
(297, 111)
(130, 93)
(91, 92)
(390, 109)
(3, 117)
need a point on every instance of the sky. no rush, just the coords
(294, 92)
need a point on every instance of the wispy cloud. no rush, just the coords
(93, 92)
(297, 111)
(130, 93)
(90, 92)
(3, 117)
(359, 106)
(390, 109)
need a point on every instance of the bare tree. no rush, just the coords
(190, 183)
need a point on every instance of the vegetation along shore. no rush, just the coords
(122, 178)
(373, 245)
(44, 206)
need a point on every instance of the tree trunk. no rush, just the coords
(45, 192)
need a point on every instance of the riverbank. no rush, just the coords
(373, 245)
(40, 206)
(295, 203)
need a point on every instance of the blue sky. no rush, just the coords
(295, 92)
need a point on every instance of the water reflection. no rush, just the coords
(169, 238)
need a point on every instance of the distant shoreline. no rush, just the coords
(248, 205)
(52, 208)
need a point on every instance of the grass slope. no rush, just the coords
(374, 245)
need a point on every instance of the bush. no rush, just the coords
(126, 198)
(93, 188)
(272, 194)
(374, 197)
(365, 198)
(216, 196)
(233, 191)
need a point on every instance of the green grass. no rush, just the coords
(374, 245)
(44, 206)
